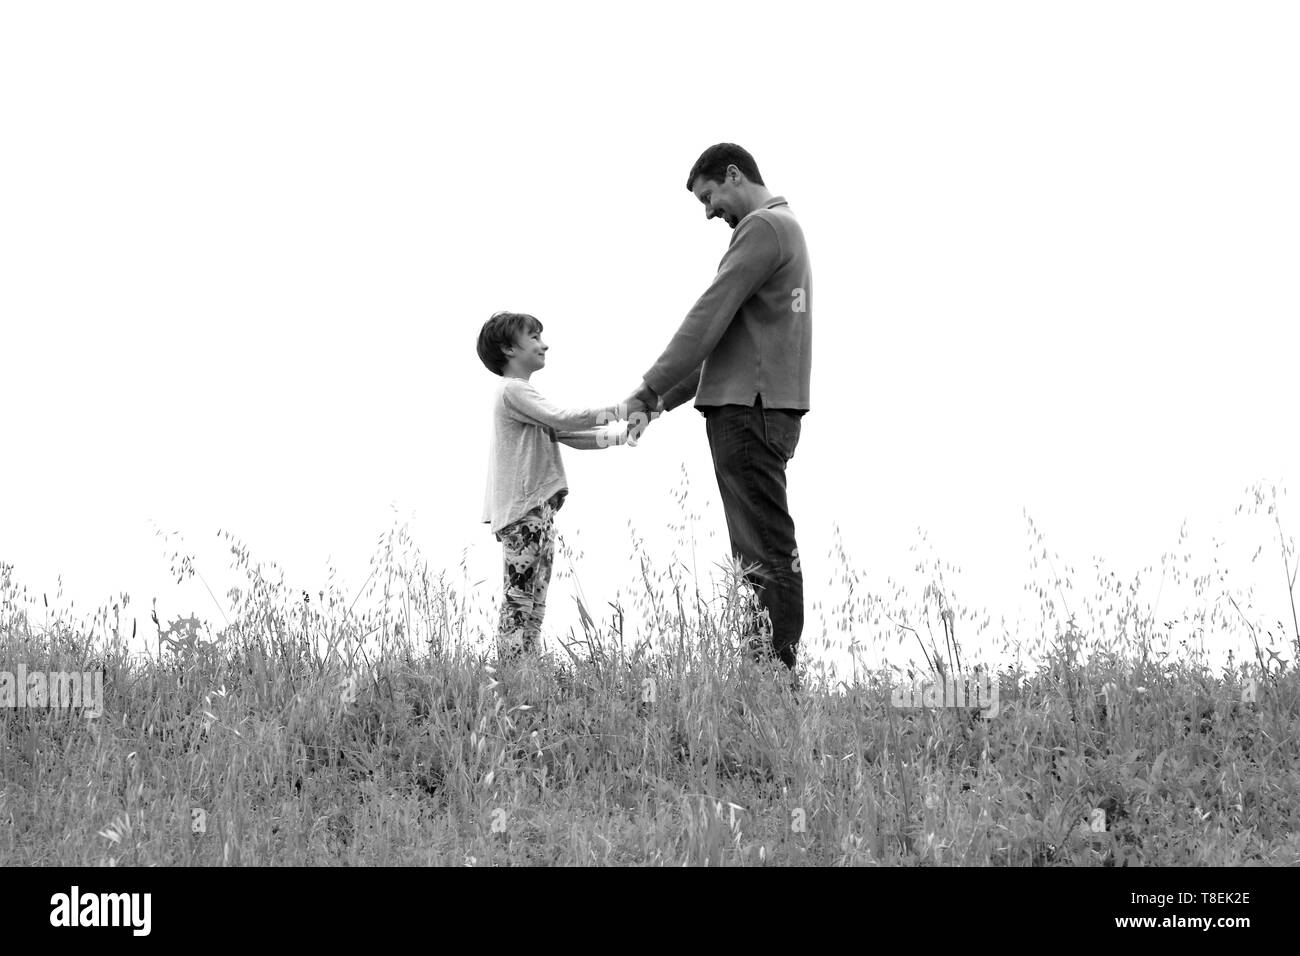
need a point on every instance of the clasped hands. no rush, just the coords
(639, 409)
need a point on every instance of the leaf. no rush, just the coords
(1157, 766)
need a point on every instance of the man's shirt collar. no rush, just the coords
(774, 201)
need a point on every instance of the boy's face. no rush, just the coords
(529, 351)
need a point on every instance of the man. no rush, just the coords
(744, 352)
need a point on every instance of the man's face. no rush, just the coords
(722, 199)
(529, 351)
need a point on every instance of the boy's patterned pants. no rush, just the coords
(529, 550)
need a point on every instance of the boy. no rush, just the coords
(526, 483)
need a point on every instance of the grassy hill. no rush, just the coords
(306, 733)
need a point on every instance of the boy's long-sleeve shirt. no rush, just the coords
(524, 466)
(750, 333)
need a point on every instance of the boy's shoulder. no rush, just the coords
(514, 393)
(514, 386)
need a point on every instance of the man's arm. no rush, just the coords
(645, 401)
(683, 391)
(753, 256)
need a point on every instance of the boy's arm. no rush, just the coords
(525, 404)
(590, 439)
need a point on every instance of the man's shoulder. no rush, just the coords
(776, 225)
(789, 234)
(779, 217)
(757, 230)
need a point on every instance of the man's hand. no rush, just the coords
(643, 400)
(639, 421)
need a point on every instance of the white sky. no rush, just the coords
(245, 250)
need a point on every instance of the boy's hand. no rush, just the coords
(614, 434)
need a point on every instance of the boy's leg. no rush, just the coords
(517, 633)
(545, 545)
(529, 548)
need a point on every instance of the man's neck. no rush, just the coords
(757, 196)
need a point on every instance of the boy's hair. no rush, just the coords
(713, 163)
(499, 333)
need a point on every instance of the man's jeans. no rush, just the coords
(750, 449)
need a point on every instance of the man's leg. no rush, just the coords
(750, 449)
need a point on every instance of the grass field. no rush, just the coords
(306, 732)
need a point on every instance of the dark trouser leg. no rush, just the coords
(750, 449)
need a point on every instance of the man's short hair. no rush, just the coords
(499, 333)
(713, 163)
